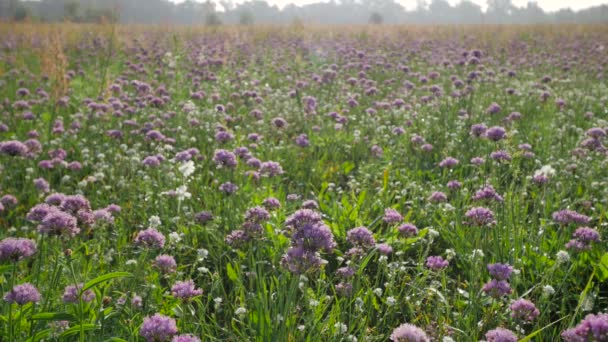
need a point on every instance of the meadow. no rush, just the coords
(303, 183)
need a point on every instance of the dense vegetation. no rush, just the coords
(289, 184)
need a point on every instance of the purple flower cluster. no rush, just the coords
(309, 236)
(185, 290)
(158, 328)
(361, 237)
(436, 263)
(523, 309)
(72, 294)
(568, 216)
(392, 216)
(487, 193)
(582, 238)
(593, 328)
(23, 294)
(408, 230)
(501, 335)
(409, 333)
(15, 249)
(498, 286)
(480, 216)
(150, 238)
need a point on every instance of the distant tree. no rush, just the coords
(246, 18)
(71, 10)
(21, 13)
(376, 18)
(212, 19)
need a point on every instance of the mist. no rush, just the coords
(261, 12)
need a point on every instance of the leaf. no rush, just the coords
(39, 335)
(115, 339)
(533, 334)
(231, 273)
(105, 277)
(76, 329)
(53, 316)
(602, 268)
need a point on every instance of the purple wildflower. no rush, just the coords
(524, 309)
(165, 263)
(361, 236)
(436, 263)
(71, 294)
(225, 158)
(501, 335)
(497, 288)
(392, 216)
(409, 333)
(150, 238)
(568, 216)
(500, 271)
(15, 249)
(480, 216)
(592, 328)
(185, 338)
(59, 223)
(185, 290)
(23, 294)
(495, 133)
(158, 328)
(449, 162)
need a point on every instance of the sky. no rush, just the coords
(547, 5)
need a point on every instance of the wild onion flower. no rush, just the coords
(594, 327)
(257, 214)
(361, 237)
(185, 290)
(150, 238)
(384, 248)
(23, 294)
(501, 335)
(500, 271)
(409, 333)
(15, 249)
(436, 263)
(568, 216)
(392, 216)
(271, 203)
(497, 288)
(203, 217)
(71, 294)
(13, 148)
(480, 216)
(495, 133)
(438, 197)
(185, 338)
(582, 239)
(165, 263)
(408, 230)
(449, 163)
(524, 309)
(487, 193)
(59, 223)
(225, 158)
(158, 328)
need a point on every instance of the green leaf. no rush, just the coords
(105, 277)
(231, 273)
(115, 339)
(39, 335)
(602, 268)
(533, 334)
(53, 316)
(76, 329)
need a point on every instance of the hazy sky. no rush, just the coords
(547, 5)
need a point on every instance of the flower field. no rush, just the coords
(303, 184)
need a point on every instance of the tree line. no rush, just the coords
(259, 11)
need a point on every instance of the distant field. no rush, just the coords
(405, 183)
